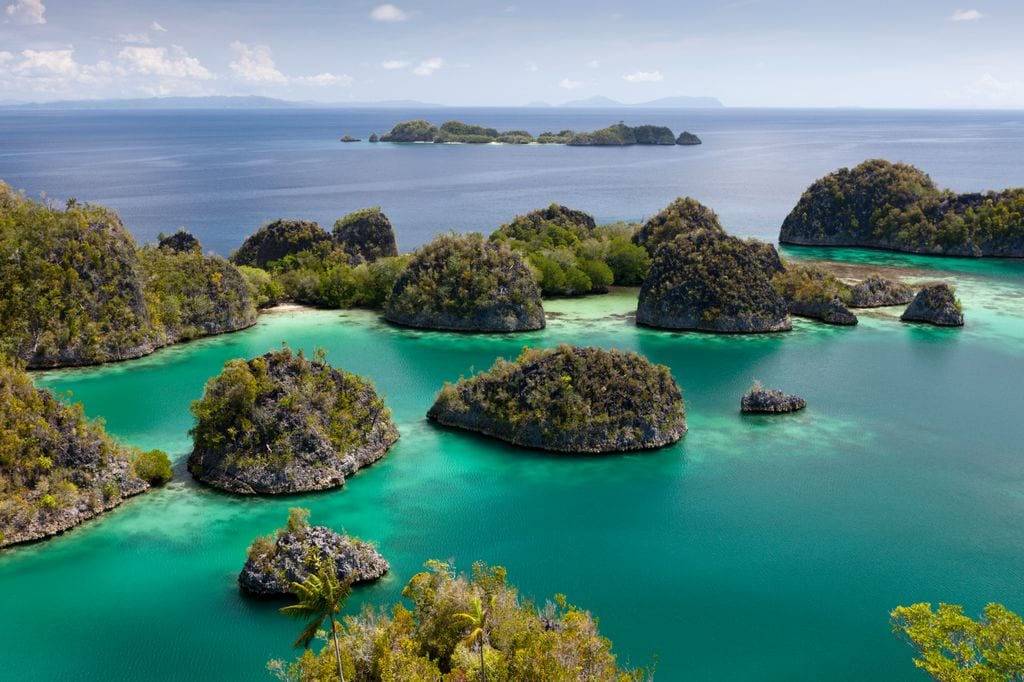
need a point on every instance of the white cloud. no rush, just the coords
(532, 67)
(428, 66)
(994, 85)
(48, 63)
(644, 77)
(593, 64)
(966, 15)
(255, 64)
(27, 12)
(5, 57)
(137, 38)
(325, 79)
(394, 64)
(155, 61)
(570, 84)
(156, 26)
(388, 13)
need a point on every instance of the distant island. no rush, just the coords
(457, 132)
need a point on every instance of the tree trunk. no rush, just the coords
(337, 649)
(483, 670)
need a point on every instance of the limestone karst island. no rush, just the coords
(502, 342)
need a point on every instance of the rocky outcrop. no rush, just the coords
(685, 215)
(290, 556)
(710, 281)
(569, 399)
(829, 312)
(374, 138)
(180, 241)
(349, 138)
(464, 283)
(688, 139)
(814, 292)
(883, 205)
(281, 423)
(760, 400)
(411, 131)
(278, 239)
(878, 292)
(935, 304)
(57, 469)
(365, 235)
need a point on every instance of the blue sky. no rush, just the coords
(899, 53)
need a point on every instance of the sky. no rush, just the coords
(799, 53)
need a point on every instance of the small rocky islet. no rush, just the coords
(281, 423)
(761, 400)
(466, 283)
(568, 399)
(292, 553)
(935, 304)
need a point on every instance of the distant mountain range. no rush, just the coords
(257, 102)
(680, 101)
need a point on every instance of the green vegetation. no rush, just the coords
(191, 295)
(571, 255)
(277, 240)
(283, 423)
(810, 284)
(896, 206)
(153, 467)
(952, 647)
(682, 216)
(709, 281)
(264, 290)
(58, 469)
(686, 138)
(462, 282)
(77, 290)
(569, 399)
(507, 638)
(456, 131)
(179, 241)
(365, 235)
(321, 597)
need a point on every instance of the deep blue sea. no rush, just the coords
(221, 174)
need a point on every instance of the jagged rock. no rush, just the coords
(569, 399)
(278, 239)
(814, 292)
(687, 138)
(830, 312)
(710, 281)
(878, 292)
(374, 138)
(349, 138)
(935, 304)
(464, 283)
(366, 235)
(276, 562)
(281, 423)
(769, 401)
(180, 241)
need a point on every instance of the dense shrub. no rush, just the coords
(520, 640)
(278, 239)
(365, 235)
(463, 282)
(682, 216)
(154, 467)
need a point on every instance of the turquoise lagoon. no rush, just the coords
(757, 548)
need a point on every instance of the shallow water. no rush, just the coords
(757, 548)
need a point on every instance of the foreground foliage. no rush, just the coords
(952, 647)
(57, 468)
(464, 627)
